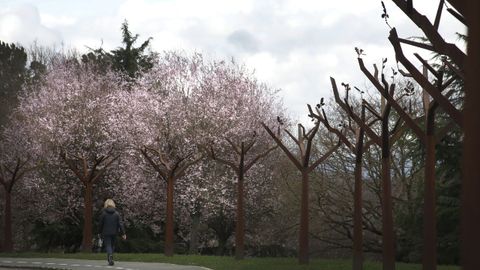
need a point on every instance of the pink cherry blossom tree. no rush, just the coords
(69, 116)
(160, 122)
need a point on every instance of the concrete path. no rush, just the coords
(74, 264)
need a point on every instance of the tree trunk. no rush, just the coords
(388, 243)
(240, 224)
(169, 223)
(470, 210)
(8, 237)
(88, 219)
(303, 236)
(429, 218)
(357, 206)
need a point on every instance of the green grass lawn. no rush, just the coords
(228, 263)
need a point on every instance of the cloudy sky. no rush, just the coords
(294, 45)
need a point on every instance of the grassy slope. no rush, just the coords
(228, 263)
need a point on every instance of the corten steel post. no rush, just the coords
(169, 224)
(304, 143)
(388, 244)
(88, 177)
(470, 219)
(241, 150)
(240, 224)
(170, 171)
(428, 139)
(357, 205)
(358, 150)
(384, 141)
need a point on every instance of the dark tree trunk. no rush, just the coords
(240, 224)
(88, 219)
(169, 223)
(388, 243)
(303, 236)
(470, 230)
(429, 218)
(357, 205)
(8, 237)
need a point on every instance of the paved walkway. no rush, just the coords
(73, 264)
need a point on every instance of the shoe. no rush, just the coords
(110, 260)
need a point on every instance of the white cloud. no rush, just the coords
(292, 44)
(22, 24)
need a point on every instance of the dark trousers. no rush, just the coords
(109, 242)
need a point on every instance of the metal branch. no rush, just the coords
(105, 167)
(331, 129)
(417, 44)
(292, 137)
(439, 14)
(432, 34)
(259, 156)
(72, 167)
(425, 64)
(282, 146)
(157, 168)
(211, 154)
(324, 157)
(416, 129)
(181, 169)
(445, 103)
(234, 147)
(457, 71)
(448, 83)
(369, 107)
(355, 117)
(458, 16)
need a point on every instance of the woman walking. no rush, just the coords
(110, 224)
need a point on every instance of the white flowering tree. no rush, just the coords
(70, 116)
(160, 122)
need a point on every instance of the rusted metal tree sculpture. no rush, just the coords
(304, 142)
(384, 140)
(455, 60)
(358, 148)
(467, 12)
(170, 168)
(428, 138)
(240, 165)
(89, 171)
